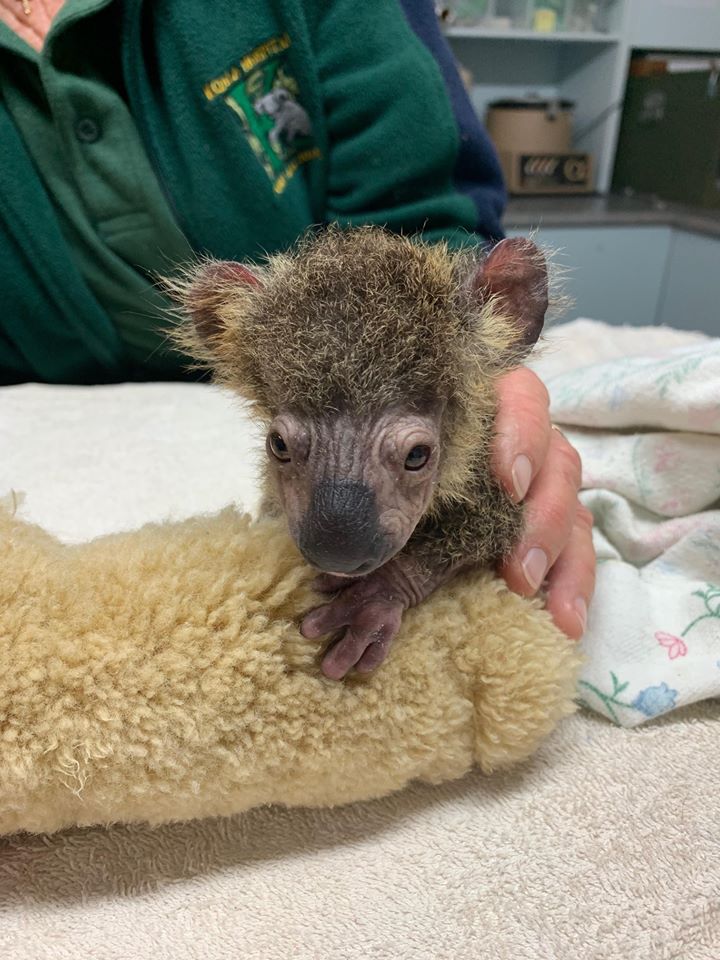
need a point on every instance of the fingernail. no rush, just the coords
(521, 475)
(581, 609)
(534, 567)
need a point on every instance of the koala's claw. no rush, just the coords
(371, 617)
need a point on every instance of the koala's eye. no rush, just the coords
(278, 448)
(418, 457)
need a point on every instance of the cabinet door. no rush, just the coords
(613, 273)
(691, 298)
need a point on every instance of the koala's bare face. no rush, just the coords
(392, 332)
(354, 490)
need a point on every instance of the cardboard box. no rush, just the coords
(531, 173)
(533, 138)
(530, 126)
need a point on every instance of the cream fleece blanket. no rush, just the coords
(605, 846)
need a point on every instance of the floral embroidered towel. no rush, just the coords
(648, 430)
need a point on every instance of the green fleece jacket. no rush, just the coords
(146, 132)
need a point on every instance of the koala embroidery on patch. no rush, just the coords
(291, 120)
(262, 92)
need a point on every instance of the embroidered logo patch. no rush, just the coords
(263, 94)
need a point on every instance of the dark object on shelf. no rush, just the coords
(669, 143)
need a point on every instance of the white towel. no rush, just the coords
(648, 430)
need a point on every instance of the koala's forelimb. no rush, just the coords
(369, 611)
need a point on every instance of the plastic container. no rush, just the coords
(549, 15)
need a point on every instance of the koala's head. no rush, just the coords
(371, 361)
(271, 103)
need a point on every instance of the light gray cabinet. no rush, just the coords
(691, 290)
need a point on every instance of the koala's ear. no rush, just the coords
(203, 290)
(515, 272)
(210, 297)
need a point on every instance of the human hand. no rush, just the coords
(536, 464)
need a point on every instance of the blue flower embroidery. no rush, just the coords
(655, 700)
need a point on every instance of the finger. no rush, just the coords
(373, 656)
(571, 582)
(384, 635)
(327, 619)
(365, 642)
(344, 654)
(550, 510)
(522, 431)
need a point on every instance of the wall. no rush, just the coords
(673, 24)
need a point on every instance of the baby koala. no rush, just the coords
(371, 360)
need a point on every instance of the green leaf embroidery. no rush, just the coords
(609, 700)
(711, 600)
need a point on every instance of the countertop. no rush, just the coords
(608, 211)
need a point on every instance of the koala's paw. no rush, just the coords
(368, 611)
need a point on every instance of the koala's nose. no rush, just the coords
(340, 532)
